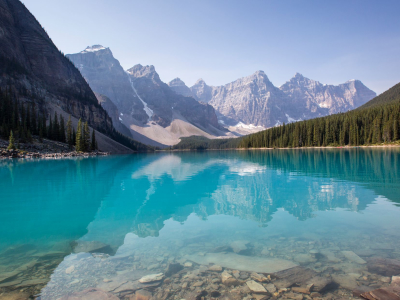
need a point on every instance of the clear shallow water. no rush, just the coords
(139, 213)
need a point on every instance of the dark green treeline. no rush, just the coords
(24, 121)
(368, 126)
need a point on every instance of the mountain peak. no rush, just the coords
(298, 75)
(94, 48)
(141, 71)
(200, 81)
(176, 82)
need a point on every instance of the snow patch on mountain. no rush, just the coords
(94, 48)
(147, 109)
(291, 120)
(246, 126)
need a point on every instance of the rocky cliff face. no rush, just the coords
(106, 76)
(146, 105)
(255, 101)
(38, 72)
(114, 114)
(249, 100)
(165, 103)
(313, 99)
(179, 87)
(202, 91)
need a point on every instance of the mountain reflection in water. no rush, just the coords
(182, 203)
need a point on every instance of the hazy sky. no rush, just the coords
(222, 40)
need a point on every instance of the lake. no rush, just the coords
(313, 218)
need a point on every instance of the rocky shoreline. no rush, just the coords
(45, 149)
(9, 154)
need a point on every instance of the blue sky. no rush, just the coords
(220, 41)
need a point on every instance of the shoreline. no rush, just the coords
(295, 148)
(20, 154)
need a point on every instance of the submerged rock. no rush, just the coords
(347, 281)
(239, 246)
(384, 266)
(142, 295)
(294, 276)
(350, 255)
(321, 284)
(243, 263)
(173, 269)
(91, 246)
(215, 268)
(151, 278)
(228, 279)
(90, 294)
(256, 287)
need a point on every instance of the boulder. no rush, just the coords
(151, 278)
(321, 284)
(243, 263)
(142, 295)
(215, 268)
(258, 277)
(350, 255)
(295, 276)
(173, 269)
(384, 266)
(256, 287)
(347, 281)
(239, 246)
(228, 279)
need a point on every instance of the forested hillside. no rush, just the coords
(374, 123)
(391, 96)
(26, 120)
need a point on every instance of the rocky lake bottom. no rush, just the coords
(201, 226)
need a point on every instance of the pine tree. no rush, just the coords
(86, 135)
(11, 144)
(94, 142)
(395, 130)
(70, 139)
(56, 128)
(79, 138)
(62, 130)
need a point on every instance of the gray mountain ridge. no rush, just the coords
(255, 100)
(147, 106)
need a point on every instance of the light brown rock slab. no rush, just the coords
(151, 278)
(243, 263)
(256, 287)
(347, 281)
(350, 255)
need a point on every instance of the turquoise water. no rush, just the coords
(142, 212)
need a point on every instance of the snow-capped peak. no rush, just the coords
(93, 48)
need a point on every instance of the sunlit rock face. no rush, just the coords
(152, 110)
(106, 76)
(179, 87)
(255, 101)
(316, 99)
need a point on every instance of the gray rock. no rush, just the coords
(151, 278)
(243, 263)
(255, 100)
(256, 287)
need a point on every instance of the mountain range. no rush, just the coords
(255, 101)
(152, 111)
(160, 114)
